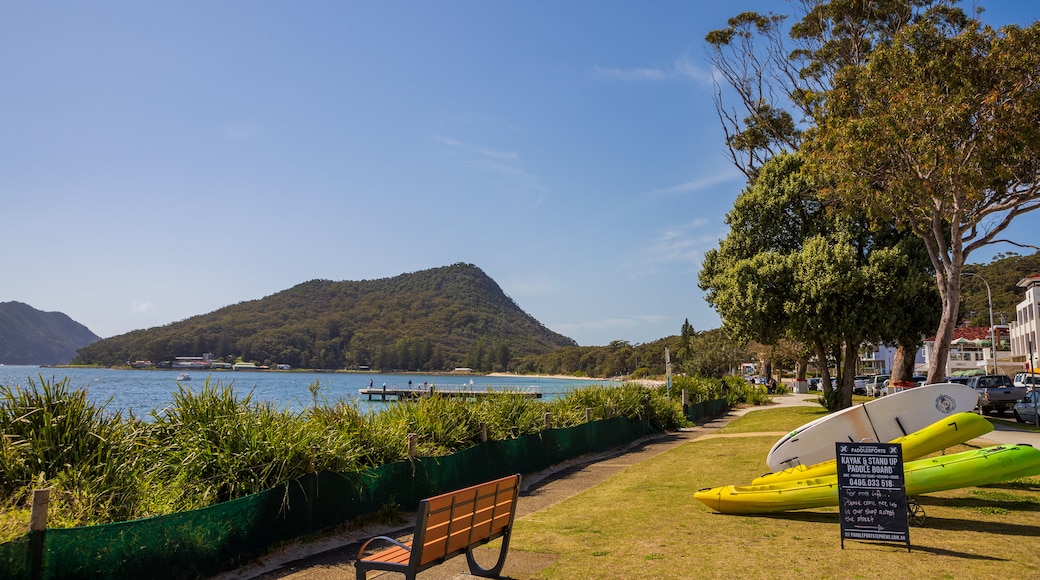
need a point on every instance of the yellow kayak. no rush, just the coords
(942, 434)
(975, 467)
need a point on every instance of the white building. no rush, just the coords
(880, 359)
(1024, 330)
(972, 349)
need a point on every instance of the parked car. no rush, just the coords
(877, 384)
(1025, 410)
(997, 393)
(1027, 380)
(815, 383)
(958, 380)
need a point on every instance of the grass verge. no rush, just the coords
(644, 523)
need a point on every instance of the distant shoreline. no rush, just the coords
(644, 382)
(571, 377)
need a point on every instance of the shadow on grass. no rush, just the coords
(1032, 486)
(937, 523)
(996, 528)
(982, 503)
(951, 553)
(1006, 529)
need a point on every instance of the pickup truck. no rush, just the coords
(997, 393)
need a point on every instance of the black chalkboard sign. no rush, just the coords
(872, 492)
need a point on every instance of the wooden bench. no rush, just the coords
(448, 525)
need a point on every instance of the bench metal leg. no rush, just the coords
(494, 571)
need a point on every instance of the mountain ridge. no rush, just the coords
(431, 320)
(33, 337)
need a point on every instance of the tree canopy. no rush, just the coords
(778, 80)
(792, 268)
(905, 110)
(939, 130)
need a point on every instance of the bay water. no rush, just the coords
(142, 391)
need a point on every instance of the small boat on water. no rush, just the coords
(183, 377)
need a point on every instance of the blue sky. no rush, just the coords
(160, 160)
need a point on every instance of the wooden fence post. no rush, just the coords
(38, 514)
(548, 420)
(412, 439)
(483, 432)
(588, 414)
(38, 530)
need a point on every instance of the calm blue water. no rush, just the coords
(145, 390)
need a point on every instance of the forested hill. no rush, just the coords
(430, 320)
(32, 337)
(1002, 274)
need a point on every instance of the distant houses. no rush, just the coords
(1001, 349)
(205, 362)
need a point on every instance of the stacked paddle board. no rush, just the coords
(942, 434)
(924, 420)
(878, 421)
(975, 467)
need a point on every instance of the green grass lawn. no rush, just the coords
(766, 420)
(644, 523)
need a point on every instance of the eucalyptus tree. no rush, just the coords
(907, 110)
(792, 268)
(771, 76)
(939, 130)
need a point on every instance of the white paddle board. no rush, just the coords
(880, 420)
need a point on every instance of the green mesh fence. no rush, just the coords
(704, 409)
(206, 541)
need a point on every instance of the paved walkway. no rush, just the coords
(333, 556)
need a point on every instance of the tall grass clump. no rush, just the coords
(738, 391)
(442, 425)
(511, 415)
(52, 436)
(345, 439)
(212, 446)
(699, 388)
(630, 400)
(735, 390)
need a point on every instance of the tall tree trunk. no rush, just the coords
(848, 375)
(950, 290)
(824, 368)
(903, 363)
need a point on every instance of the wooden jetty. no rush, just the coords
(412, 393)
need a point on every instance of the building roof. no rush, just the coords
(967, 333)
(1029, 280)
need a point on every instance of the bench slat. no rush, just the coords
(395, 555)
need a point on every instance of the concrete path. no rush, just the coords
(1007, 433)
(332, 556)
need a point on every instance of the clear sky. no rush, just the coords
(160, 160)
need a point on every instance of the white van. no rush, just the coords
(1028, 380)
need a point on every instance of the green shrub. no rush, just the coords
(54, 437)
(212, 446)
